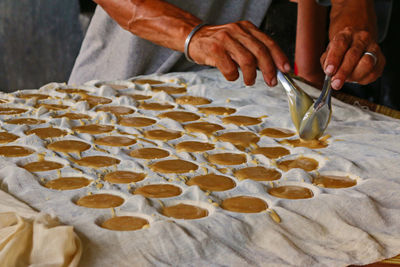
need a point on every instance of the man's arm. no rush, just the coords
(352, 32)
(227, 47)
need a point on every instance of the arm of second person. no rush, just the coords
(227, 47)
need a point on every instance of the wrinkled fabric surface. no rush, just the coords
(336, 227)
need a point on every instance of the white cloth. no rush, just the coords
(337, 227)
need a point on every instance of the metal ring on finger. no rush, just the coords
(373, 56)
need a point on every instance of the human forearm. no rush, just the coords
(154, 20)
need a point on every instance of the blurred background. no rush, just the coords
(40, 39)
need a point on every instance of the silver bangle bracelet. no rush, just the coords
(189, 38)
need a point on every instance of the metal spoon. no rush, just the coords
(299, 101)
(317, 117)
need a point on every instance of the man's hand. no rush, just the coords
(352, 33)
(238, 45)
(346, 60)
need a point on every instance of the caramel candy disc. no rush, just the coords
(217, 110)
(258, 173)
(48, 132)
(15, 151)
(180, 116)
(95, 100)
(138, 97)
(69, 146)
(42, 166)
(100, 201)
(124, 177)
(115, 141)
(271, 152)
(304, 163)
(27, 121)
(158, 190)
(242, 120)
(313, 144)
(277, 132)
(212, 182)
(163, 135)
(74, 116)
(6, 137)
(137, 121)
(244, 204)
(194, 146)
(243, 139)
(173, 166)
(169, 89)
(97, 161)
(71, 90)
(291, 192)
(155, 106)
(124, 223)
(184, 211)
(227, 158)
(116, 110)
(192, 100)
(68, 183)
(93, 128)
(333, 181)
(115, 86)
(206, 128)
(147, 81)
(37, 96)
(11, 111)
(149, 153)
(53, 106)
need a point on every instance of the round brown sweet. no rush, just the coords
(95, 100)
(204, 127)
(11, 111)
(313, 144)
(37, 96)
(124, 223)
(48, 132)
(273, 152)
(194, 146)
(124, 177)
(71, 90)
(139, 97)
(6, 137)
(172, 90)
(212, 182)
(307, 164)
(163, 135)
(53, 106)
(244, 204)
(116, 110)
(242, 120)
(155, 106)
(42, 166)
(97, 161)
(180, 116)
(93, 128)
(73, 116)
(26, 121)
(147, 81)
(69, 146)
(227, 158)
(2, 101)
(184, 211)
(115, 141)
(173, 166)
(100, 201)
(192, 100)
(216, 110)
(115, 86)
(242, 139)
(258, 173)
(334, 181)
(277, 132)
(291, 192)
(137, 121)
(15, 151)
(149, 153)
(68, 183)
(158, 191)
